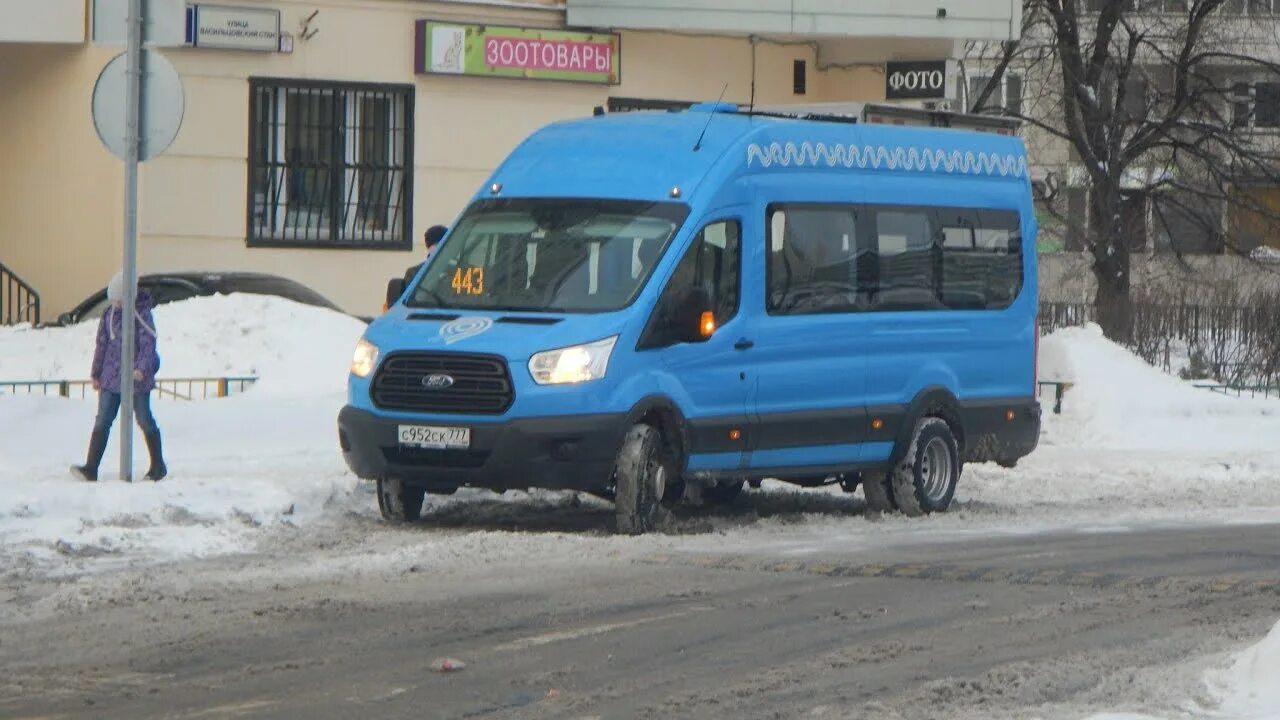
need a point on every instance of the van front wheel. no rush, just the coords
(398, 503)
(640, 479)
(925, 479)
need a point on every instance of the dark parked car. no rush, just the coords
(171, 287)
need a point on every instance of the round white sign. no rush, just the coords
(163, 104)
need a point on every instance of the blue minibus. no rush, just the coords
(658, 307)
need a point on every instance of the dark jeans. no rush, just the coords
(109, 407)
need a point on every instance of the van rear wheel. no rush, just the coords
(924, 481)
(399, 503)
(643, 469)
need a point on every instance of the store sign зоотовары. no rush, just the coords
(513, 52)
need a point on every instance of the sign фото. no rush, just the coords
(915, 80)
(512, 52)
(234, 28)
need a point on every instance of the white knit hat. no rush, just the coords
(115, 288)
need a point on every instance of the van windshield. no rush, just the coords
(549, 255)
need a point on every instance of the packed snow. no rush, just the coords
(1133, 445)
(1244, 687)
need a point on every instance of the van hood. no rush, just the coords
(514, 335)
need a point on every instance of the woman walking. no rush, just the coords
(107, 356)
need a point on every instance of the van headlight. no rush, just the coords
(365, 359)
(576, 364)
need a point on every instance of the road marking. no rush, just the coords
(963, 573)
(563, 635)
(250, 707)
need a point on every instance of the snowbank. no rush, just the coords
(1247, 688)
(265, 458)
(1117, 401)
(237, 465)
(295, 349)
(1250, 686)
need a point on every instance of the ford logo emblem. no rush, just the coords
(437, 382)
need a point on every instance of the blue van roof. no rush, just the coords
(644, 155)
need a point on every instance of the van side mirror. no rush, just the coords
(694, 318)
(395, 288)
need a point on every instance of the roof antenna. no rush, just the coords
(698, 145)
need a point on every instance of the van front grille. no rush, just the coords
(478, 384)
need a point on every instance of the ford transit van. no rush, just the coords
(653, 307)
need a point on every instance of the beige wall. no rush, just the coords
(60, 192)
(52, 21)
(193, 198)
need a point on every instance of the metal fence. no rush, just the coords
(1179, 320)
(1237, 346)
(167, 388)
(1253, 391)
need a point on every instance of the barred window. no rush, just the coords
(330, 164)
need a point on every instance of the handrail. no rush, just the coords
(195, 388)
(1059, 390)
(19, 302)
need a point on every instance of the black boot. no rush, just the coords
(158, 469)
(89, 470)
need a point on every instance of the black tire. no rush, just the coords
(877, 490)
(399, 503)
(722, 493)
(924, 481)
(640, 478)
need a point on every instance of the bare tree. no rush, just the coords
(1154, 100)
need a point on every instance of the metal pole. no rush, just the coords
(133, 127)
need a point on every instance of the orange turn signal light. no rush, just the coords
(707, 325)
(877, 424)
(735, 435)
(1008, 415)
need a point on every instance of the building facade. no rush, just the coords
(321, 138)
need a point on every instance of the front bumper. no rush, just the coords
(564, 453)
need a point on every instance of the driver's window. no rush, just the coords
(713, 263)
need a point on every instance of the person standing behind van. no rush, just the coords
(431, 238)
(107, 356)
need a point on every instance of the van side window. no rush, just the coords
(908, 252)
(816, 260)
(858, 258)
(713, 263)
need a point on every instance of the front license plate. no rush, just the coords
(439, 438)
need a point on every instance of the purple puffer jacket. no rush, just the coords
(106, 356)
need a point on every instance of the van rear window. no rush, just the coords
(863, 258)
(556, 255)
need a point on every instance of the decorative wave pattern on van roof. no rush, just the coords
(877, 157)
